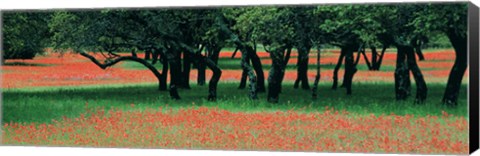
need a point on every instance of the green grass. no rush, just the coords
(137, 66)
(234, 64)
(47, 103)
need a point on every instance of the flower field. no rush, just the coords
(369, 121)
(211, 128)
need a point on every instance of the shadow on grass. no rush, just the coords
(43, 105)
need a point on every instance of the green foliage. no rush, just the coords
(440, 17)
(272, 26)
(349, 23)
(25, 34)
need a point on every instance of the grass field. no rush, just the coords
(68, 101)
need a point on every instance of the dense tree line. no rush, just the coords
(180, 39)
(25, 34)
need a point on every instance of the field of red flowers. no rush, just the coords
(74, 70)
(211, 128)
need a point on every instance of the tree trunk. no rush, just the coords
(350, 69)
(244, 62)
(201, 73)
(418, 49)
(366, 60)
(419, 52)
(317, 77)
(148, 54)
(454, 82)
(417, 75)
(359, 53)
(402, 78)
(157, 55)
(217, 73)
(257, 66)
(302, 68)
(275, 75)
(134, 53)
(374, 57)
(337, 67)
(235, 52)
(163, 83)
(187, 65)
(379, 62)
(214, 53)
(248, 71)
(285, 63)
(175, 74)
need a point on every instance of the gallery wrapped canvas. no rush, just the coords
(326, 78)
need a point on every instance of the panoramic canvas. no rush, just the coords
(369, 78)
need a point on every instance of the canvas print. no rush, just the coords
(350, 78)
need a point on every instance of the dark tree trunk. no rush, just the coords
(418, 49)
(235, 52)
(201, 73)
(454, 82)
(187, 65)
(287, 56)
(248, 71)
(359, 53)
(275, 75)
(374, 58)
(175, 73)
(297, 80)
(366, 60)
(157, 55)
(350, 69)
(163, 84)
(134, 53)
(402, 76)
(379, 62)
(148, 54)
(285, 63)
(417, 75)
(419, 52)
(217, 73)
(247, 53)
(244, 62)
(302, 68)
(257, 66)
(214, 53)
(317, 77)
(337, 67)
(201, 67)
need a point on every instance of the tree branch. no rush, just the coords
(124, 58)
